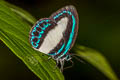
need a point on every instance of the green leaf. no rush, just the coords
(14, 32)
(97, 60)
(19, 11)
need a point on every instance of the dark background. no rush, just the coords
(99, 29)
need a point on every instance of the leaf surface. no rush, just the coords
(97, 60)
(14, 32)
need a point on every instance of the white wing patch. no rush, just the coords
(54, 36)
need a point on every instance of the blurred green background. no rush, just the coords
(99, 29)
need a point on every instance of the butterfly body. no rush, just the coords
(56, 35)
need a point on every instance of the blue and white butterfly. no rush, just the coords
(56, 35)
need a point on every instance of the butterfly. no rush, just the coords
(56, 35)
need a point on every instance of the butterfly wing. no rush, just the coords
(72, 26)
(56, 34)
(70, 33)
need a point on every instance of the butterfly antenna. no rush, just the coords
(62, 64)
(74, 55)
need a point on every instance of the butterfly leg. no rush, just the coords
(49, 58)
(71, 65)
(62, 64)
